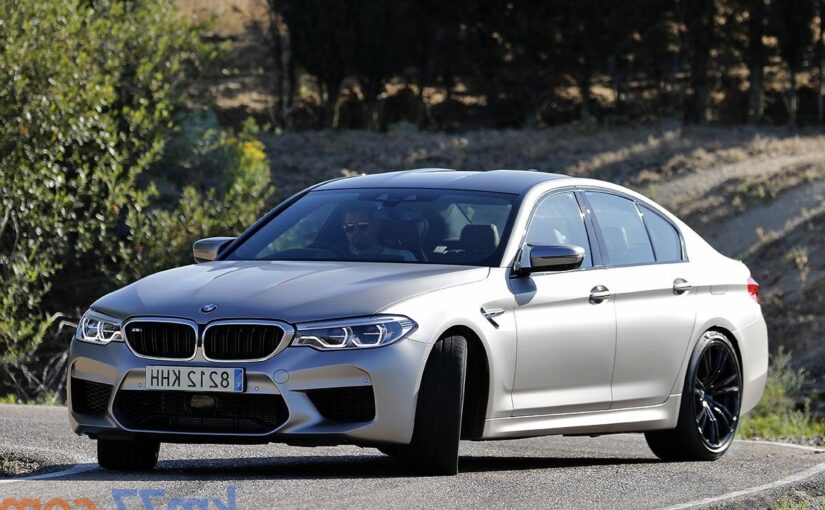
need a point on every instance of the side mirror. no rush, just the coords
(208, 249)
(558, 257)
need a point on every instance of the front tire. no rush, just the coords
(434, 446)
(128, 454)
(709, 410)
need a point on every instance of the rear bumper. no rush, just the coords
(753, 343)
(393, 373)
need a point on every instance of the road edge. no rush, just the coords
(762, 492)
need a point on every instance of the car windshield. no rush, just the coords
(422, 226)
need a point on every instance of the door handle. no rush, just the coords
(598, 294)
(680, 286)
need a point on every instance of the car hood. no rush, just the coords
(286, 290)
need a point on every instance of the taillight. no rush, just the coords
(753, 289)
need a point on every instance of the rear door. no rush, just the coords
(649, 277)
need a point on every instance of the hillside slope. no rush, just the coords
(755, 194)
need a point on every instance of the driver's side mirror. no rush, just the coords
(208, 249)
(557, 257)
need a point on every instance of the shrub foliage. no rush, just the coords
(91, 97)
(777, 415)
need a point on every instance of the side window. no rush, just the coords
(558, 220)
(667, 245)
(622, 229)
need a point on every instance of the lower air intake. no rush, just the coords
(356, 404)
(89, 397)
(178, 411)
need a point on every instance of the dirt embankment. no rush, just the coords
(755, 194)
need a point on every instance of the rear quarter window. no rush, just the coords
(667, 245)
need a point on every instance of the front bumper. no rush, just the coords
(393, 372)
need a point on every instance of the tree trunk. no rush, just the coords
(584, 90)
(531, 98)
(756, 62)
(372, 89)
(492, 91)
(820, 100)
(333, 90)
(279, 113)
(699, 21)
(291, 80)
(793, 100)
(756, 97)
(621, 82)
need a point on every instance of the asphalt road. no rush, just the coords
(553, 472)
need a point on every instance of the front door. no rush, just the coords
(566, 322)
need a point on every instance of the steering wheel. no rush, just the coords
(329, 247)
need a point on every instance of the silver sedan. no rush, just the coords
(409, 310)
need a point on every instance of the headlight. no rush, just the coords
(360, 333)
(99, 329)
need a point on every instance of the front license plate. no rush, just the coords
(194, 379)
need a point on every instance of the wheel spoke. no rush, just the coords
(728, 380)
(701, 420)
(702, 417)
(723, 357)
(727, 414)
(720, 413)
(729, 389)
(705, 366)
(714, 429)
(716, 404)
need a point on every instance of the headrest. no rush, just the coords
(479, 238)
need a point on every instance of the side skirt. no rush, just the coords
(636, 419)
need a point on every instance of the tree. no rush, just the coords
(698, 16)
(322, 41)
(532, 29)
(793, 25)
(665, 57)
(756, 58)
(820, 46)
(91, 95)
(87, 97)
(582, 37)
(382, 44)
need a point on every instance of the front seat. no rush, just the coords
(402, 235)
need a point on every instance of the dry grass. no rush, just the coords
(637, 156)
(15, 465)
(798, 501)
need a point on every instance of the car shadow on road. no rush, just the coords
(334, 467)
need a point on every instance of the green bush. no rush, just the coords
(160, 237)
(90, 100)
(776, 415)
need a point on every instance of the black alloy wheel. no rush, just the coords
(710, 404)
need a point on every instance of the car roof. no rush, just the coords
(502, 181)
